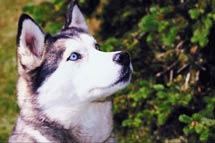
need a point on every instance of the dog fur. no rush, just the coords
(64, 83)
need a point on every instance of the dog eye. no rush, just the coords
(74, 57)
(97, 46)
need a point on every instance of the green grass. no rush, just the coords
(10, 11)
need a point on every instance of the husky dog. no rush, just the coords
(64, 83)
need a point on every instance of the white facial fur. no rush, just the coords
(68, 95)
(85, 80)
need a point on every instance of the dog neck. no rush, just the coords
(90, 122)
(86, 122)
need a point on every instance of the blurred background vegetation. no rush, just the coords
(172, 45)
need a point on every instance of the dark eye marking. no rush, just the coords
(74, 57)
(97, 46)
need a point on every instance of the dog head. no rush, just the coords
(69, 66)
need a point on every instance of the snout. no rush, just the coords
(122, 58)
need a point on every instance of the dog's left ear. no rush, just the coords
(75, 18)
(30, 42)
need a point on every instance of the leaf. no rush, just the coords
(168, 38)
(162, 118)
(143, 93)
(197, 116)
(185, 119)
(137, 122)
(29, 8)
(207, 22)
(149, 23)
(165, 10)
(106, 47)
(53, 28)
(161, 94)
(163, 25)
(199, 128)
(153, 9)
(194, 13)
(158, 87)
(109, 44)
(149, 38)
(127, 122)
(204, 135)
(187, 130)
(164, 107)
(203, 42)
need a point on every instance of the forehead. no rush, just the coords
(64, 42)
(83, 40)
(71, 39)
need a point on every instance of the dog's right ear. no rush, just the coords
(75, 18)
(30, 42)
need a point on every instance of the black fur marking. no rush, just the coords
(50, 64)
(57, 132)
(64, 34)
(73, 31)
(52, 57)
(51, 130)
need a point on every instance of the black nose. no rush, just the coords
(122, 58)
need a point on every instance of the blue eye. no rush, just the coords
(74, 57)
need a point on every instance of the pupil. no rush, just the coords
(74, 56)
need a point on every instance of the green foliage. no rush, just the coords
(110, 44)
(200, 123)
(155, 22)
(52, 23)
(170, 98)
(150, 104)
(168, 46)
(57, 9)
(202, 25)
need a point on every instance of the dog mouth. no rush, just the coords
(122, 80)
(125, 76)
